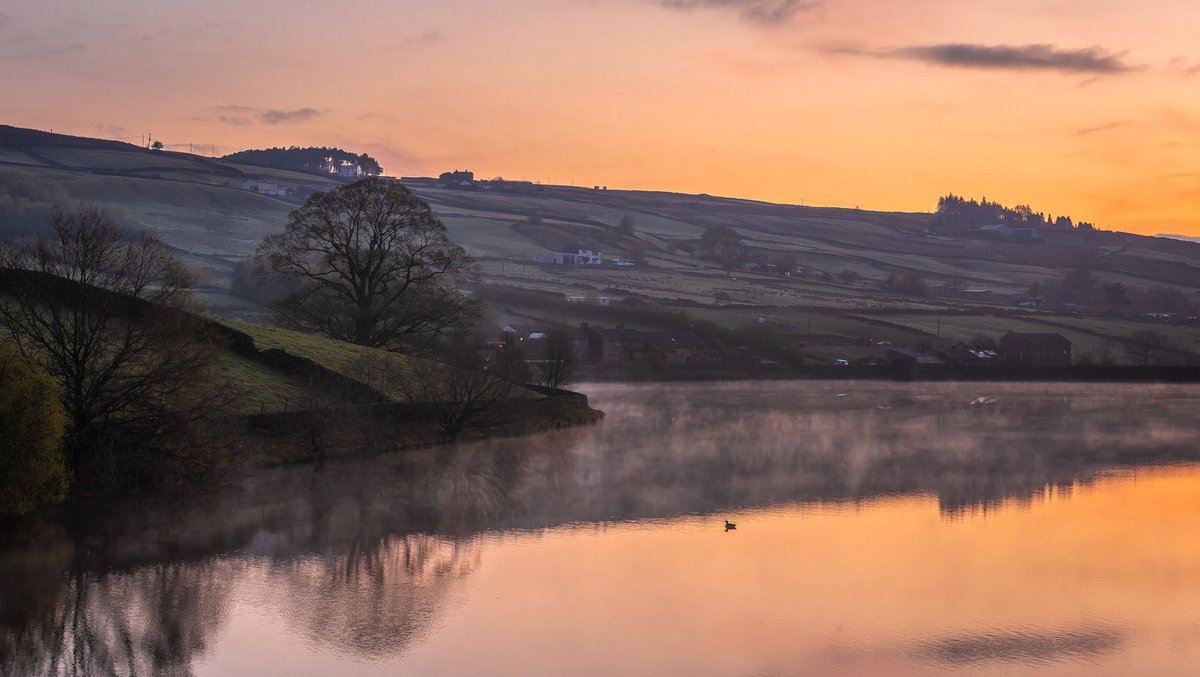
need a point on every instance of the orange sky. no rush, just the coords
(1088, 107)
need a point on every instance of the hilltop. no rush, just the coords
(836, 299)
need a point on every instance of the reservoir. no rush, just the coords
(881, 529)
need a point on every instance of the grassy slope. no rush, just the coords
(379, 369)
(374, 367)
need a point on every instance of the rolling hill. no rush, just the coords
(213, 213)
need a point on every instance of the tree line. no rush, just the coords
(313, 159)
(956, 214)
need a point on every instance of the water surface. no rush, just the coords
(882, 529)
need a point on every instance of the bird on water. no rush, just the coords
(729, 526)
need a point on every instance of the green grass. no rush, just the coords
(260, 389)
(380, 369)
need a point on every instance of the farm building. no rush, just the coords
(572, 255)
(1042, 349)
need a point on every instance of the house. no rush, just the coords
(596, 300)
(1035, 349)
(349, 170)
(621, 344)
(519, 333)
(555, 259)
(457, 179)
(910, 363)
(683, 349)
(586, 257)
(571, 255)
(624, 262)
(968, 356)
(264, 187)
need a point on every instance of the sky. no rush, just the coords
(1088, 108)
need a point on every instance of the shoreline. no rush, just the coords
(282, 438)
(623, 373)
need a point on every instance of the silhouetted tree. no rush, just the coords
(1078, 280)
(909, 283)
(375, 268)
(558, 362)
(848, 276)
(1146, 347)
(1114, 297)
(722, 244)
(101, 310)
(465, 387)
(626, 226)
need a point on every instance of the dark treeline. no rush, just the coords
(320, 160)
(770, 340)
(955, 214)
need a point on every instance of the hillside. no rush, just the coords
(210, 212)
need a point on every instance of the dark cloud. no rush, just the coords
(275, 117)
(245, 115)
(758, 11)
(1092, 60)
(1105, 127)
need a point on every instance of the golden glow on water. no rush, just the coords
(1103, 579)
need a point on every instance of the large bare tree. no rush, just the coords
(102, 310)
(376, 267)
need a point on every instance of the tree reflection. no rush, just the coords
(152, 621)
(373, 602)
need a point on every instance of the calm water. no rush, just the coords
(882, 529)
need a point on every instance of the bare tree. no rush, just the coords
(465, 389)
(103, 311)
(1146, 347)
(558, 362)
(376, 267)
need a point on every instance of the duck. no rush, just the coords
(729, 525)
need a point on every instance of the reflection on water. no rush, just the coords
(883, 528)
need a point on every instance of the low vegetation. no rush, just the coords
(33, 471)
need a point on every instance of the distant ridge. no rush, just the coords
(19, 137)
(1184, 238)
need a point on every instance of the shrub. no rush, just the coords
(32, 470)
